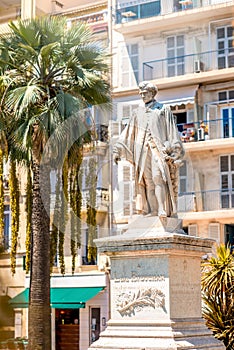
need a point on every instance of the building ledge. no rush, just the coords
(221, 216)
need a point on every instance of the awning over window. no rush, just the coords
(177, 96)
(61, 298)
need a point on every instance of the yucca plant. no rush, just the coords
(48, 73)
(218, 295)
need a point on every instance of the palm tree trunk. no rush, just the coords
(39, 299)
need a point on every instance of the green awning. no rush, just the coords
(61, 298)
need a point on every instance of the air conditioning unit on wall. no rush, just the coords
(198, 66)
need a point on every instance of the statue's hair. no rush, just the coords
(147, 85)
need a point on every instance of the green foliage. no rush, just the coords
(48, 74)
(218, 295)
(91, 184)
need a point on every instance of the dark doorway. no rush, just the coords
(67, 329)
(229, 236)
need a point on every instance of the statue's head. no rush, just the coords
(147, 90)
(148, 86)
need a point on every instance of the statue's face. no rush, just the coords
(146, 95)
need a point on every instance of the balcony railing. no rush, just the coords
(146, 9)
(206, 130)
(187, 64)
(206, 200)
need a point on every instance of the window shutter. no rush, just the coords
(193, 230)
(214, 232)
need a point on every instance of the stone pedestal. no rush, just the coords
(155, 288)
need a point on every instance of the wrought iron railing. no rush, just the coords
(206, 200)
(187, 64)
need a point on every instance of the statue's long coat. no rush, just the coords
(155, 126)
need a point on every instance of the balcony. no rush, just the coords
(206, 130)
(188, 64)
(206, 201)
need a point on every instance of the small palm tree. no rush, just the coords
(48, 74)
(218, 295)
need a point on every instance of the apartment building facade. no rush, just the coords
(186, 49)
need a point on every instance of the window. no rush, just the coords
(226, 95)
(227, 181)
(175, 55)
(225, 37)
(149, 10)
(130, 65)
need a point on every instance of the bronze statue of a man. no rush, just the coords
(152, 144)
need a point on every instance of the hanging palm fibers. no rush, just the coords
(14, 204)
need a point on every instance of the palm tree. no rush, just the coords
(218, 295)
(49, 73)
